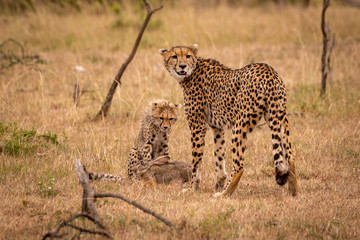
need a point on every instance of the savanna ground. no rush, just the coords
(42, 132)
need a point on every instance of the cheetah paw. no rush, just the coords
(218, 194)
(185, 190)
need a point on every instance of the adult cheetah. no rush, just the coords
(220, 97)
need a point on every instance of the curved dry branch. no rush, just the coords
(67, 223)
(10, 58)
(144, 209)
(89, 211)
(106, 105)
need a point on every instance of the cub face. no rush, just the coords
(180, 61)
(164, 113)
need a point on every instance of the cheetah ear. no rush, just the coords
(163, 51)
(178, 106)
(194, 48)
(154, 107)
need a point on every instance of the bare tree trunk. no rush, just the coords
(328, 43)
(106, 105)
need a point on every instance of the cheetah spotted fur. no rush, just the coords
(221, 98)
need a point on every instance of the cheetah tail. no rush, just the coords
(94, 176)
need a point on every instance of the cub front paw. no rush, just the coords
(218, 194)
(185, 190)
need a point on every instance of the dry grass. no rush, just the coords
(325, 135)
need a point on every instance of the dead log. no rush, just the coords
(106, 105)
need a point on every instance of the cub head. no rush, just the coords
(164, 113)
(180, 61)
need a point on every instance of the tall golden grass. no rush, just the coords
(324, 132)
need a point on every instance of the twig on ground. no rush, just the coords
(9, 58)
(77, 93)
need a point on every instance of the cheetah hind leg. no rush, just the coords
(285, 172)
(292, 179)
(278, 140)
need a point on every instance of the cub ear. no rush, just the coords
(163, 51)
(194, 48)
(178, 106)
(154, 104)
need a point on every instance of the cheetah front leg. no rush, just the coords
(145, 152)
(219, 152)
(164, 148)
(133, 163)
(198, 143)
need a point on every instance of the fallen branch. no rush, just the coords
(67, 223)
(89, 211)
(146, 210)
(88, 194)
(106, 105)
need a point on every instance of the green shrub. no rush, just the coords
(16, 141)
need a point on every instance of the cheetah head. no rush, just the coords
(180, 61)
(164, 113)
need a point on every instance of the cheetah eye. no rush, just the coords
(171, 119)
(174, 57)
(188, 56)
(161, 118)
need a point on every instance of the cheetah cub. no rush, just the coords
(149, 159)
(154, 134)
